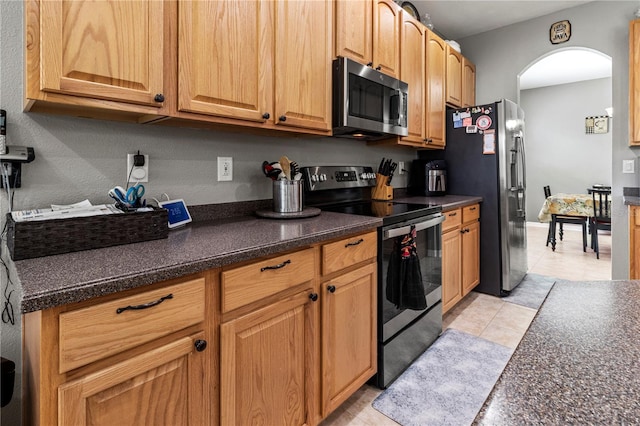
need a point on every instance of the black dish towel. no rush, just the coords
(404, 278)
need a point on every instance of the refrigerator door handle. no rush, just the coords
(521, 182)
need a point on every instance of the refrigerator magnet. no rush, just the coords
(467, 122)
(456, 116)
(489, 143)
(483, 122)
(465, 114)
(471, 129)
(457, 124)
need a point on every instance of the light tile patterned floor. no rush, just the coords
(493, 319)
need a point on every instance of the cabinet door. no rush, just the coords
(303, 53)
(225, 50)
(353, 29)
(468, 83)
(349, 334)
(634, 82)
(105, 49)
(435, 90)
(386, 37)
(265, 365)
(454, 77)
(412, 72)
(470, 257)
(451, 256)
(165, 386)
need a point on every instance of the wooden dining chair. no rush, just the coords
(560, 219)
(601, 219)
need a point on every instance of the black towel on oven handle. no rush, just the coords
(404, 278)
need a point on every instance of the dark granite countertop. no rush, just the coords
(448, 202)
(631, 196)
(55, 280)
(577, 363)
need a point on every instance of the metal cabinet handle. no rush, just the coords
(452, 214)
(283, 118)
(159, 97)
(313, 297)
(278, 266)
(379, 67)
(200, 345)
(331, 288)
(472, 208)
(354, 243)
(145, 306)
(266, 115)
(370, 64)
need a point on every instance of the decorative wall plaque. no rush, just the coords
(560, 32)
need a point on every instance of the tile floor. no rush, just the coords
(493, 319)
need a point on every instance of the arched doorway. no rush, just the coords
(558, 91)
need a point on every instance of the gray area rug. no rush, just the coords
(447, 384)
(532, 291)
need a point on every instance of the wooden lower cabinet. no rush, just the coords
(349, 335)
(634, 242)
(265, 363)
(163, 386)
(460, 254)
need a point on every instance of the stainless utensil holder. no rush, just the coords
(287, 196)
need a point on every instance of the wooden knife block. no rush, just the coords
(382, 191)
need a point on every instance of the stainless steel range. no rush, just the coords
(403, 333)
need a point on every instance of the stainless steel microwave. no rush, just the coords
(367, 104)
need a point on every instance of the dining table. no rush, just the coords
(578, 205)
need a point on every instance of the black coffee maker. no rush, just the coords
(429, 177)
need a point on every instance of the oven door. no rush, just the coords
(429, 251)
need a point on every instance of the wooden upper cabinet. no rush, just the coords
(354, 30)
(634, 83)
(386, 37)
(468, 83)
(435, 90)
(226, 58)
(412, 72)
(303, 55)
(110, 50)
(454, 77)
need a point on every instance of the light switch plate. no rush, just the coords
(628, 166)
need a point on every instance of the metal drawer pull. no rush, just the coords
(355, 243)
(472, 208)
(145, 306)
(278, 266)
(453, 214)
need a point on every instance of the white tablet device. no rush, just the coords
(178, 212)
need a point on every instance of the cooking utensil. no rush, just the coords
(295, 169)
(286, 167)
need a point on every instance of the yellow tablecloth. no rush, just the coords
(567, 205)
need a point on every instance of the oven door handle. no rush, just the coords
(404, 230)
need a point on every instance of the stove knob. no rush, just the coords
(323, 177)
(372, 175)
(364, 176)
(314, 178)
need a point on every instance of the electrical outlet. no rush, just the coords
(400, 167)
(628, 166)
(225, 169)
(138, 174)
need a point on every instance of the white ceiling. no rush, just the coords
(566, 66)
(456, 19)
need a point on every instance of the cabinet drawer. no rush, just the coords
(349, 251)
(247, 284)
(470, 213)
(99, 331)
(452, 219)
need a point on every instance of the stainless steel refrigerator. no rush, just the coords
(485, 155)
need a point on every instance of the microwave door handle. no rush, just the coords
(400, 108)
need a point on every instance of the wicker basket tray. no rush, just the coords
(31, 239)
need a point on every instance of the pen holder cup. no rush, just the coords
(382, 191)
(287, 196)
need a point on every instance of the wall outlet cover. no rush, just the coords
(137, 174)
(225, 169)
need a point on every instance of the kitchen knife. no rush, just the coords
(381, 166)
(392, 169)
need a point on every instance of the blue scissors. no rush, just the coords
(134, 195)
